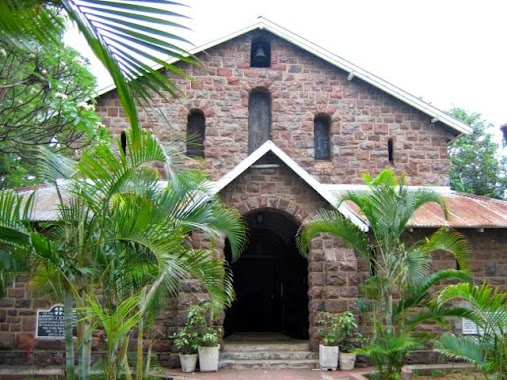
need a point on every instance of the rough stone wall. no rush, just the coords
(301, 87)
(18, 346)
(488, 261)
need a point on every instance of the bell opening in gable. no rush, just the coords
(260, 54)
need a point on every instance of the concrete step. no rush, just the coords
(269, 364)
(265, 346)
(267, 355)
(266, 351)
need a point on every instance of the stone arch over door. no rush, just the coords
(271, 278)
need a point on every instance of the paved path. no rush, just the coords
(17, 373)
(264, 374)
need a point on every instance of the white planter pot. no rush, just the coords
(188, 362)
(328, 357)
(347, 361)
(208, 358)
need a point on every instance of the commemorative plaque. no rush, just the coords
(51, 323)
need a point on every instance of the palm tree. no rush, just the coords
(118, 32)
(15, 236)
(486, 307)
(123, 232)
(400, 268)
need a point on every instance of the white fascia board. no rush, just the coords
(353, 187)
(368, 77)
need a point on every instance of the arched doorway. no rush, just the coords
(270, 280)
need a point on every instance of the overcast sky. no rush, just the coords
(449, 52)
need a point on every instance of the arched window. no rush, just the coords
(321, 126)
(259, 119)
(196, 125)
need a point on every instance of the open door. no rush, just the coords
(270, 280)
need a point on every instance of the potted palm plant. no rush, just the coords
(328, 348)
(348, 338)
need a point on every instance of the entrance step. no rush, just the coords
(268, 351)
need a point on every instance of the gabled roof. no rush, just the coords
(354, 71)
(270, 146)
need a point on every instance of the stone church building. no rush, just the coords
(283, 127)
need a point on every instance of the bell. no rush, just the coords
(260, 56)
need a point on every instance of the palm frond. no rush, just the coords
(119, 33)
(55, 167)
(334, 223)
(14, 211)
(481, 297)
(418, 295)
(448, 241)
(26, 22)
(461, 348)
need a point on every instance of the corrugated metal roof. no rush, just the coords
(354, 71)
(465, 211)
(45, 203)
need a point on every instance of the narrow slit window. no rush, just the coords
(123, 142)
(321, 127)
(196, 126)
(390, 151)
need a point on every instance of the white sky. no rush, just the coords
(449, 52)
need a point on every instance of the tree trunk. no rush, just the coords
(70, 368)
(140, 335)
(85, 350)
(389, 314)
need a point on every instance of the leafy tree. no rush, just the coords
(476, 164)
(118, 32)
(44, 95)
(401, 268)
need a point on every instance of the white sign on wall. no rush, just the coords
(470, 328)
